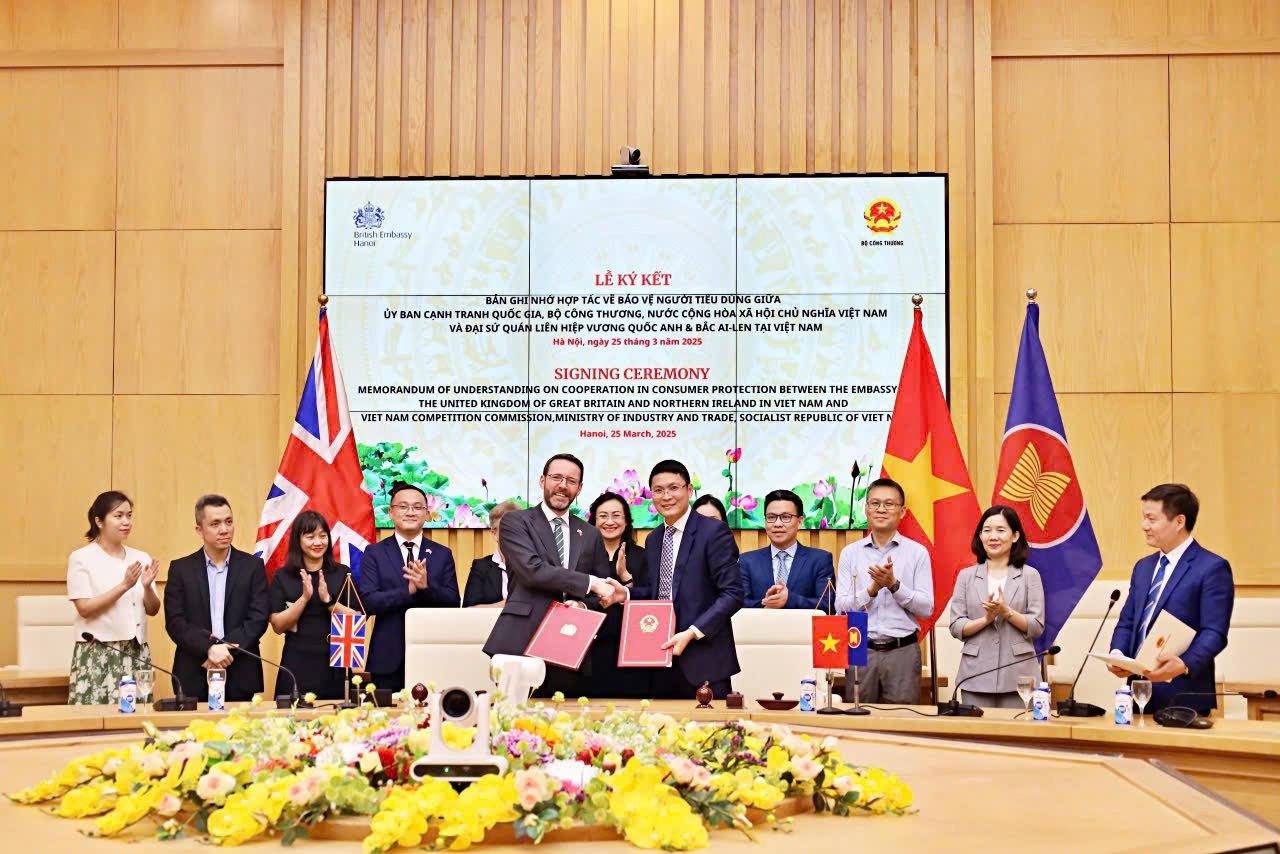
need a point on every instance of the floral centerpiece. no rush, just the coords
(658, 781)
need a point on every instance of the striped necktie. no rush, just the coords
(1153, 595)
(557, 527)
(783, 570)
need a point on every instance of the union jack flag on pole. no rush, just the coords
(346, 641)
(320, 470)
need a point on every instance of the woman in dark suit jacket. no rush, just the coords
(612, 517)
(487, 582)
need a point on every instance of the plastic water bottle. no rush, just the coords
(1040, 702)
(1124, 706)
(808, 694)
(217, 689)
(128, 695)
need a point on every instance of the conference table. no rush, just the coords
(1064, 783)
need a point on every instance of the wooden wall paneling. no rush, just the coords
(665, 159)
(1121, 444)
(58, 25)
(849, 90)
(169, 450)
(569, 148)
(365, 86)
(1084, 152)
(642, 76)
(598, 150)
(769, 88)
(926, 85)
(1221, 444)
(541, 85)
(1225, 307)
(200, 24)
(390, 78)
(901, 76)
(314, 157)
(200, 148)
(1224, 21)
(462, 158)
(58, 171)
(290, 275)
(413, 128)
(1223, 153)
(338, 81)
(744, 156)
(439, 86)
(826, 87)
(1107, 285)
(490, 81)
(56, 322)
(516, 93)
(943, 71)
(959, 188)
(694, 92)
(1062, 22)
(57, 459)
(796, 77)
(718, 120)
(196, 312)
(984, 441)
(877, 125)
(619, 97)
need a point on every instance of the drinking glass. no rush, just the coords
(1141, 689)
(1026, 687)
(146, 679)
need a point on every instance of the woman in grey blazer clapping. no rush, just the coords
(997, 610)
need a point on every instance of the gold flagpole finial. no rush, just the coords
(1032, 293)
(324, 300)
(917, 300)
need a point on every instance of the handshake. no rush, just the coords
(609, 590)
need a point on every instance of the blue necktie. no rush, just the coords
(1153, 595)
(780, 576)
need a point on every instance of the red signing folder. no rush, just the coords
(646, 626)
(565, 635)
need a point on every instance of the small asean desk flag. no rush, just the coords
(840, 641)
(923, 454)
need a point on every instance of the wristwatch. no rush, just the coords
(893, 588)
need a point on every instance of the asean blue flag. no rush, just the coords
(857, 638)
(1037, 477)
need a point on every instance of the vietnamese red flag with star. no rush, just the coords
(923, 454)
(830, 643)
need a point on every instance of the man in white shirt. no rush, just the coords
(890, 577)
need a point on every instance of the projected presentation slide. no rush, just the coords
(753, 328)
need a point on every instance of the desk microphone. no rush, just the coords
(180, 702)
(1069, 707)
(954, 708)
(1185, 717)
(294, 699)
(7, 709)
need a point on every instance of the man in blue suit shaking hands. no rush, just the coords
(785, 574)
(693, 561)
(406, 570)
(1191, 583)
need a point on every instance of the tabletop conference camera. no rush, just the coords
(462, 707)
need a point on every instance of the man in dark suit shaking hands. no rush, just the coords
(216, 591)
(693, 561)
(552, 556)
(403, 571)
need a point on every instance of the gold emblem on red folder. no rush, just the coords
(648, 624)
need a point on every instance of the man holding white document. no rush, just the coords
(1182, 580)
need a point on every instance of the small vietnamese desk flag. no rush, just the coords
(923, 454)
(840, 641)
(830, 646)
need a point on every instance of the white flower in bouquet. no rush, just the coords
(804, 768)
(214, 786)
(571, 771)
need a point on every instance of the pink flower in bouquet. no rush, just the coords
(745, 503)
(532, 787)
(823, 488)
(733, 454)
